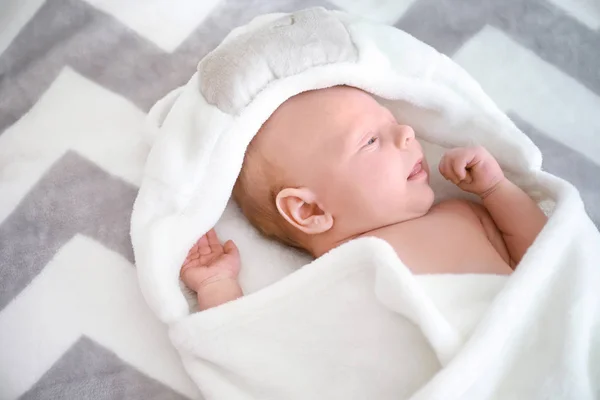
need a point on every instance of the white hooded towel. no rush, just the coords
(355, 323)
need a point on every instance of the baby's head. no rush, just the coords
(330, 165)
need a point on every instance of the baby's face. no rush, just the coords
(364, 168)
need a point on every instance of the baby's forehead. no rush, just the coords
(316, 121)
(287, 154)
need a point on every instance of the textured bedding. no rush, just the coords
(76, 79)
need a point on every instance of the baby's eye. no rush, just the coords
(372, 140)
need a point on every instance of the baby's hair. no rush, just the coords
(255, 192)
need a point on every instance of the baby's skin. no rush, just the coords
(354, 171)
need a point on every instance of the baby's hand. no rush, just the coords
(472, 169)
(209, 262)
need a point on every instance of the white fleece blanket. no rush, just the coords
(355, 323)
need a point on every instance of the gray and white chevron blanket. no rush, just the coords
(78, 76)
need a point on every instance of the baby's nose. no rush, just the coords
(404, 135)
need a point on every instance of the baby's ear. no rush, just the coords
(299, 207)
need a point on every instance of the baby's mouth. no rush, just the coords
(417, 172)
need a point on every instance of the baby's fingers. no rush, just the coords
(459, 166)
(231, 249)
(447, 171)
(468, 178)
(213, 242)
(203, 246)
(450, 172)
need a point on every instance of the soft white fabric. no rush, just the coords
(355, 323)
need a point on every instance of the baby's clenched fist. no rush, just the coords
(473, 169)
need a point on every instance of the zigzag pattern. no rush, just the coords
(74, 85)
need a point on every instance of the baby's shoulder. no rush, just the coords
(468, 211)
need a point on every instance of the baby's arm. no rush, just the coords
(516, 215)
(211, 270)
(215, 294)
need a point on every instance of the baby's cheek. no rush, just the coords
(385, 192)
(345, 194)
(425, 165)
(367, 185)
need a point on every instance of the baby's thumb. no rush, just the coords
(230, 248)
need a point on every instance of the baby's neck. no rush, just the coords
(321, 244)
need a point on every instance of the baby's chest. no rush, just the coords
(448, 243)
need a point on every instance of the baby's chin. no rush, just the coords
(424, 199)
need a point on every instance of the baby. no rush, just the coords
(332, 165)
